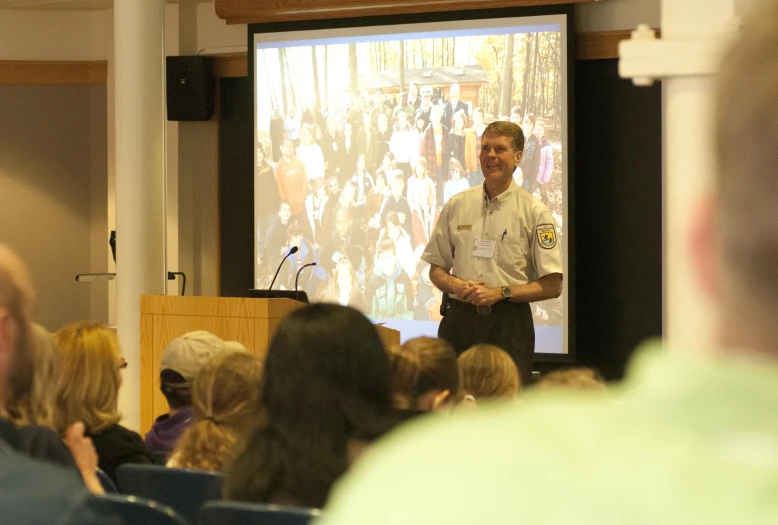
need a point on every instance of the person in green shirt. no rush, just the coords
(688, 438)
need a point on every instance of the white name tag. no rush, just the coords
(484, 248)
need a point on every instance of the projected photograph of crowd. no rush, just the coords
(360, 144)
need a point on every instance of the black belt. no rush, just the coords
(486, 310)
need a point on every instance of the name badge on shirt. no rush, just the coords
(484, 248)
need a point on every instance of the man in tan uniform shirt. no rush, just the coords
(502, 245)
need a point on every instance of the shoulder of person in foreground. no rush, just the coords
(36, 492)
(563, 458)
(43, 443)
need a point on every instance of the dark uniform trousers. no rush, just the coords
(508, 325)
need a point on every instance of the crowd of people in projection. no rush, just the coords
(359, 191)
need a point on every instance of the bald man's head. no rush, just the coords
(15, 281)
(16, 305)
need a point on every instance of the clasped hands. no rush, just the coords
(475, 293)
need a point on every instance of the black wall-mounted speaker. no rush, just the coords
(190, 88)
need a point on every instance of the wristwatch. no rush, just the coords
(506, 292)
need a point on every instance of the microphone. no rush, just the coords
(303, 267)
(292, 251)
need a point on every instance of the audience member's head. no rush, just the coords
(739, 237)
(16, 304)
(90, 367)
(325, 390)
(579, 378)
(424, 374)
(36, 405)
(181, 362)
(225, 398)
(487, 372)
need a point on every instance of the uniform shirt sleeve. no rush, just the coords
(440, 248)
(546, 254)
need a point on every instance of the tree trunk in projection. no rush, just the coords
(533, 78)
(507, 77)
(352, 66)
(272, 85)
(527, 61)
(326, 101)
(315, 67)
(284, 100)
(401, 67)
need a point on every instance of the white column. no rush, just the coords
(140, 191)
(686, 59)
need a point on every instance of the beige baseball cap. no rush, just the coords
(187, 354)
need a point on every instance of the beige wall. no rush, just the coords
(612, 15)
(52, 141)
(51, 35)
(213, 32)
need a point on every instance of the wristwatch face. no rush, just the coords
(506, 292)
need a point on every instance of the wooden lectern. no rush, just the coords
(251, 322)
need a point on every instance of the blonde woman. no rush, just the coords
(88, 390)
(423, 375)
(487, 372)
(225, 398)
(30, 412)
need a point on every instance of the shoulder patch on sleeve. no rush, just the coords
(546, 235)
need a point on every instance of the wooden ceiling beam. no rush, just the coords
(263, 11)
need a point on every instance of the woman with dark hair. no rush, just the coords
(325, 395)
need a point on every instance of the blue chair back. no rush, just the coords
(184, 490)
(239, 513)
(131, 510)
(108, 485)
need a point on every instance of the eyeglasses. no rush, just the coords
(123, 364)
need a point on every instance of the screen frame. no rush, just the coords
(567, 10)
